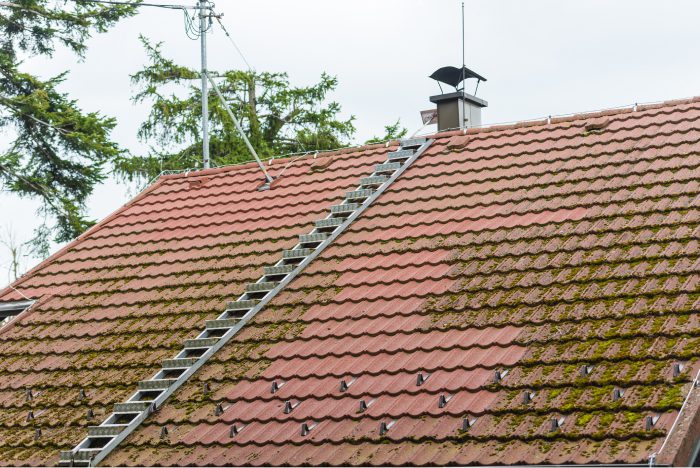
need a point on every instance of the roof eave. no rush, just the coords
(682, 444)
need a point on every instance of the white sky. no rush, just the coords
(541, 57)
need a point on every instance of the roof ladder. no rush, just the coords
(152, 393)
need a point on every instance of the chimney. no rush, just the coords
(457, 109)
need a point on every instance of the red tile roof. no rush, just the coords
(552, 262)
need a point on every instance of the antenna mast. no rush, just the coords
(206, 13)
(203, 16)
(464, 75)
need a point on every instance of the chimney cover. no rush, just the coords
(454, 76)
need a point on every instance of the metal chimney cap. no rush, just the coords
(438, 98)
(453, 76)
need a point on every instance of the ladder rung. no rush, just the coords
(259, 287)
(329, 222)
(312, 238)
(157, 384)
(359, 194)
(373, 181)
(71, 462)
(242, 305)
(104, 431)
(387, 167)
(85, 455)
(412, 143)
(296, 253)
(279, 270)
(344, 208)
(179, 363)
(201, 343)
(400, 154)
(221, 323)
(131, 407)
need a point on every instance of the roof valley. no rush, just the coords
(151, 394)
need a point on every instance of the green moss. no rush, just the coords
(632, 418)
(672, 397)
(600, 395)
(554, 393)
(690, 346)
(633, 369)
(606, 419)
(571, 371)
(544, 446)
(584, 419)
(572, 399)
(682, 320)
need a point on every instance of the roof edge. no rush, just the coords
(56, 255)
(682, 442)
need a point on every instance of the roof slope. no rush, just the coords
(123, 297)
(534, 250)
(561, 257)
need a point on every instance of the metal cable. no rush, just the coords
(157, 5)
(223, 28)
(251, 70)
(240, 129)
(191, 31)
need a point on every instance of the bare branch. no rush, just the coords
(16, 251)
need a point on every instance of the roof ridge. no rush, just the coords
(289, 157)
(489, 128)
(566, 118)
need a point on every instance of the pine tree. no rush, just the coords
(58, 152)
(278, 118)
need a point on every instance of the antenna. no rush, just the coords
(206, 13)
(464, 60)
(464, 75)
(203, 7)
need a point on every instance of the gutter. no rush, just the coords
(10, 309)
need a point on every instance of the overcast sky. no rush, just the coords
(541, 57)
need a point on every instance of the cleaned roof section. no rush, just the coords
(542, 279)
(123, 297)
